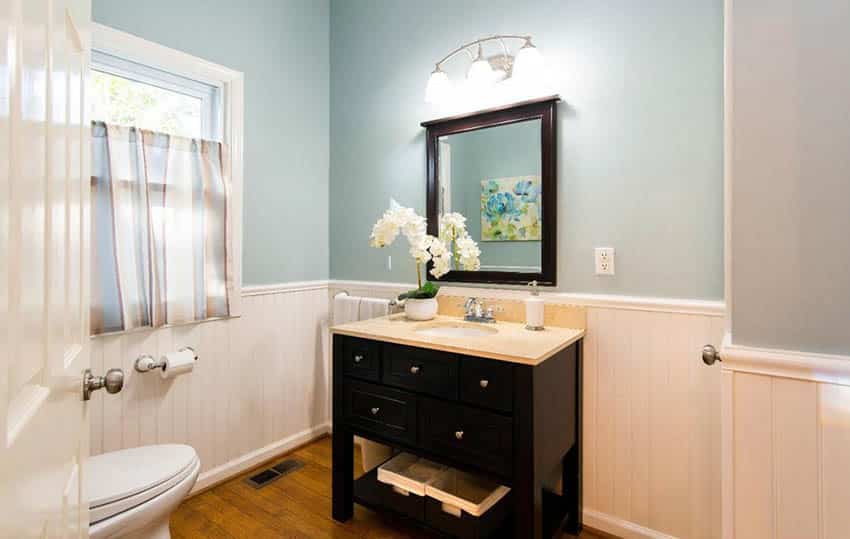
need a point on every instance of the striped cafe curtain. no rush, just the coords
(161, 231)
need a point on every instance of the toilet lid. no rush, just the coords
(120, 474)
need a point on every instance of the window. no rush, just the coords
(166, 210)
(132, 94)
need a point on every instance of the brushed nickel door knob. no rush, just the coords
(414, 369)
(113, 381)
(459, 434)
(710, 355)
(375, 410)
(484, 383)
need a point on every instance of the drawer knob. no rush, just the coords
(375, 410)
(459, 434)
(415, 369)
(358, 358)
(484, 383)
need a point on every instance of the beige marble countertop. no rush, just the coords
(511, 342)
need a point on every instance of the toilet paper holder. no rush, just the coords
(147, 363)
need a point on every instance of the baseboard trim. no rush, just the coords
(812, 367)
(229, 469)
(619, 527)
(602, 301)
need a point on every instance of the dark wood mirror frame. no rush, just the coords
(542, 109)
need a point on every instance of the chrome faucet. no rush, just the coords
(475, 312)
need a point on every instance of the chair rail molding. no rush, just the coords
(611, 301)
(809, 366)
(279, 288)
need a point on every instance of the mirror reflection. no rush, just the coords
(492, 176)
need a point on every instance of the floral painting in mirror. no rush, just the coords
(510, 209)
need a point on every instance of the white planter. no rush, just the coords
(420, 309)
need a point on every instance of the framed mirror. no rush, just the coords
(497, 168)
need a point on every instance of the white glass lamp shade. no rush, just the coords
(439, 87)
(528, 65)
(480, 72)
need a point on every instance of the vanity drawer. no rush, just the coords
(381, 410)
(361, 358)
(486, 382)
(422, 370)
(471, 435)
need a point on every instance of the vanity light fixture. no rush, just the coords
(525, 66)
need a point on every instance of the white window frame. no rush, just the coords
(227, 110)
(208, 94)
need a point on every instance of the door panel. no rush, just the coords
(43, 266)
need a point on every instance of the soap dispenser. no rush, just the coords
(534, 309)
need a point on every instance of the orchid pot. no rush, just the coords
(421, 309)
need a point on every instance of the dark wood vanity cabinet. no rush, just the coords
(512, 422)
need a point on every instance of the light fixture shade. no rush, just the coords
(439, 87)
(528, 65)
(480, 72)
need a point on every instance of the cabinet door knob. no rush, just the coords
(375, 411)
(358, 358)
(414, 369)
(484, 383)
(459, 434)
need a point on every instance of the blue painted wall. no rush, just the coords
(282, 48)
(640, 149)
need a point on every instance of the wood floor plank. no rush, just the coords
(296, 506)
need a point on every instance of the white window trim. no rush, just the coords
(208, 94)
(231, 85)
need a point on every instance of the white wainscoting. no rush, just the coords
(260, 387)
(651, 424)
(786, 444)
(651, 410)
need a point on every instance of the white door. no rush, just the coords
(44, 232)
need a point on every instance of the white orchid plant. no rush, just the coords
(454, 245)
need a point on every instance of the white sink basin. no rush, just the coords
(450, 329)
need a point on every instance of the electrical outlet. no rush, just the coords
(604, 260)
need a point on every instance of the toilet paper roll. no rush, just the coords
(177, 363)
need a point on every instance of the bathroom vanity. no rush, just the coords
(491, 399)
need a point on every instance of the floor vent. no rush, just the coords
(263, 478)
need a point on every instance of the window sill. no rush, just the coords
(150, 329)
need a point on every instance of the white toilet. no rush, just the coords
(133, 492)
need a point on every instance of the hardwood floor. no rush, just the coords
(297, 505)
